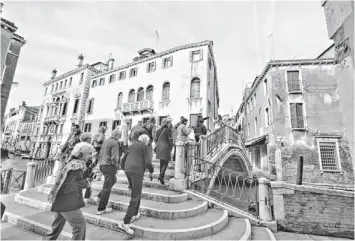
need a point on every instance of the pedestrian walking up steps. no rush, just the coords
(166, 215)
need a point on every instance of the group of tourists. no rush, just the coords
(129, 150)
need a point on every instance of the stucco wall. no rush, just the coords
(179, 76)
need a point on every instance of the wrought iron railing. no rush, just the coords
(215, 140)
(12, 180)
(220, 183)
(43, 170)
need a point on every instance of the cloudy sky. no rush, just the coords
(57, 32)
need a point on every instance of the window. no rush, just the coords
(52, 88)
(45, 90)
(56, 86)
(61, 85)
(76, 105)
(166, 91)
(103, 123)
(91, 106)
(293, 81)
(112, 78)
(193, 119)
(161, 118)
(87, 127)
(328, 154)
(133, 72)
(267, 121)
(151, 67)
(256, 124)
(149, 93)
(297, 119)
(122, 75)
(131, 96)
(140, 94)
(119, 100)
(64, 112)
(167, 62)
(102, 81)
(65, 83)
(248, 130)
(94, 83)
(195, 88)
(81, 78)
(116, 123)
(196, 56)
(70, 81)
(254, 100)
(265, 86)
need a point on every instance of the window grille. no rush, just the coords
(328, 155)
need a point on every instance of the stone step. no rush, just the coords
(236, 229)
(155, 194)
(148, 208)
(156, 165)
(146, 182)
(11, 231)
(200, 226)
(39, 222)
(262, 233)
(168, 174)
(148, 193)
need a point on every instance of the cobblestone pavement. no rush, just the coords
(296, 236)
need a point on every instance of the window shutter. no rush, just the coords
(171, 61)
(190, 56)
(201, 56)
(293, 113)
(299, 110)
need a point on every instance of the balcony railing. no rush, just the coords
(137, 106)
(294, 85)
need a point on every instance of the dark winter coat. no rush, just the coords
(138, 159)
(70, 194)
(164, 143)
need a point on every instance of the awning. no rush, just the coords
(256, 141)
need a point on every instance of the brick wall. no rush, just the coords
(314, 210)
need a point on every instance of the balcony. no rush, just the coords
(137, 106)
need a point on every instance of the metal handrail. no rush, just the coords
(42, 170)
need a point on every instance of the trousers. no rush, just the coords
(109, 172)
(75, 219)
(136, 183)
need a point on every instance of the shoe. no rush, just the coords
(161, 180)
(96, 200)
(134, 218)
(107, 210)
(126, 228)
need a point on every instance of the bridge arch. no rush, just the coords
(237, 160)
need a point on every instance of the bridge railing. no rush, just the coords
(12, 180)
(220, 183)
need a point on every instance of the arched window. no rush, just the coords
(65, 83)
(64, 112)
(149, 93)
(131, 96)
(166, 91)
(119, 100)
(195, 88)
(91, 106)
(76, 104)
(140, 94)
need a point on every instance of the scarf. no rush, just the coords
(74, 164)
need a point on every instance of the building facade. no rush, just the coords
(178, 82)
(340, 24)
(294, 107)
(11, 44)
(18, 127)
(63, 104)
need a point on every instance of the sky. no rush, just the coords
(246, 34)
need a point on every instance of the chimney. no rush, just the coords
(81, 59)
(23, 103)
(111, 60)
(54, 73)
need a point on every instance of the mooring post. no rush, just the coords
(300, 171)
